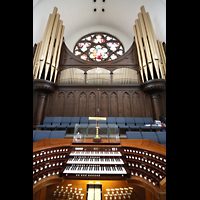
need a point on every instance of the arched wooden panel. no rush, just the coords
(113, 105)
(104, 108)
(82, 104)
(92, 105)
(49, 104)
(69, 111)
(60, 107)
(148, 107)
(136, 105)
(126, 105)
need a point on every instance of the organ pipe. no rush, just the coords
(151, 44)
(46, 61)
(163, 58)
(146, 45)
(156, 47)
(138, 51)
(58, 57)
(150, 51)
(142, 49)
(36, 57)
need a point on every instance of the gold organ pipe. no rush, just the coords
(47, 53)
(146, 45)
(151, 44)
(42, 47)
(52, 41)
(47, 40)
(59, 49)
(138, 51)
(156, 47)
(56, 48)
(36, 57)
(162, 54)
(164, 57)
(141, 49)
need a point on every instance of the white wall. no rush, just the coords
(79, 18)
(72, 39)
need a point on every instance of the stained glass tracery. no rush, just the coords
(98, 47)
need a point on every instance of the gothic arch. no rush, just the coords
(114, 105)
(126, 104)
(82, 104)
(104, 105)
(70, 104)
(92, 104)
(136, 109)
(60, 107)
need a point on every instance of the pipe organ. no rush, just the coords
(131, 162)
(47, 55)
(150, 51)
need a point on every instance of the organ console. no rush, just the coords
(112, 171)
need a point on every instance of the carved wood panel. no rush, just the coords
(126, 105)
(148, 107)
(69, 111)
(113, 105)
(136, 105)
(104, 105)
(92, 104)
(82, 105)
(60, 106)
(111, 101)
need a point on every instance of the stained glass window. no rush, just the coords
(99, 47)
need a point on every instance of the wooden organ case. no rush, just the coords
(133, 169)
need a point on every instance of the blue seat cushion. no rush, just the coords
(150, 135)
(133, 135)
(39, 135)
(57, 134)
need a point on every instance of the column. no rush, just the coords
(154, 88)
(42, 88)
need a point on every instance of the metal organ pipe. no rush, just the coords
(47, 54)
(150, 51)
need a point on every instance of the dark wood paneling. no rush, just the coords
(70, 104)
(104, 105)
(113, 105)
(136, 105)
(60, 105)
(127, 105)
(92, 104)
(111, 101)
(82, 104)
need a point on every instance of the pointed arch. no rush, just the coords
(136, 105)
(82, 104)
(69, 111)
(60, 105)
(114, 105)
(104, 105)
(126, 104)
(92, 104)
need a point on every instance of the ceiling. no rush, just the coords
(80, 19)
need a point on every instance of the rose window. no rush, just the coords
(98, 47)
